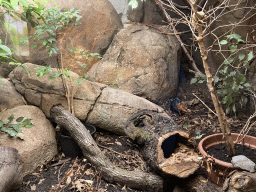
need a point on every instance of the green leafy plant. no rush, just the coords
(14, 128)
(54, 21)
(80, 55)
(31, 14)
(230, 80)
(17, 36)
(114, 86)
(198, 78)
(5, 52)
(41, 71)
(76, 55)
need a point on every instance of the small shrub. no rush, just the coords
(14, 128)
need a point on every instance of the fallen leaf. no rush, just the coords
(196, 122)
(41, 181)
(33, 187)
(192, 102)
(78, 185)
(118, 143)
(90, 182)
(68, 180)
(208, 122)
(84, 160)
(124, 187)
(102, 139)
(36, 174)
(69, 174)
(204, 180)
(196, 101)
(210, 116)
(89, 172)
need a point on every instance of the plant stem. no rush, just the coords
(198, 25)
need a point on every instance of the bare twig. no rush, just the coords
(247, 125)
(160, 3)
(204, 104)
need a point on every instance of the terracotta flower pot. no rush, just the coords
(218, 170)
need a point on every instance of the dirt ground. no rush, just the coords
(66, 174)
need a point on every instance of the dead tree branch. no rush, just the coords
(133, 179)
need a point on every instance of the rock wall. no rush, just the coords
(94, 103)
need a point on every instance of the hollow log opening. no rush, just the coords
(173, 141)
(164, 146)
(169, 145)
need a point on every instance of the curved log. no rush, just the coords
(9, 169)
(239, 181)
(197, 183)
(133, 179)
(165, 147)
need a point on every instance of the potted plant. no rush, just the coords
(199, 21)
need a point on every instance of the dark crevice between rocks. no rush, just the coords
(136, 31)
(93, 105)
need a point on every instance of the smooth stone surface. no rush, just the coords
(242, 162)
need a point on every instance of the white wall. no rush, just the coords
(121, 7)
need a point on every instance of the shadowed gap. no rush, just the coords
(168, 145)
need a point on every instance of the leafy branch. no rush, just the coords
(12, 129)
(55, 20)
(230, 80)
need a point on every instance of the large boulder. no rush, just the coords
(9, 97)
(39, 146)
(141, 61)
(93, 102)
(146, 12)
(5, 69)
(99, 23)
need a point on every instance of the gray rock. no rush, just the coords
(39, 145)
(5, 69)
(136, 14)
(242, 162)
(9, 97)
(146, 12)
(141, 61)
